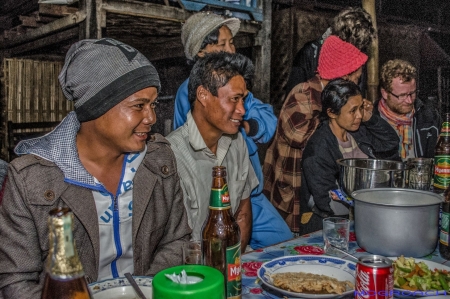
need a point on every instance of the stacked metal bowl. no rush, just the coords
(357, 174)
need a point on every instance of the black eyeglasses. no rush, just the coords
(404, 96)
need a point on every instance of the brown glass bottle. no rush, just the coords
(441, 178)
(221, 241)
(444, 246)
(65, 276)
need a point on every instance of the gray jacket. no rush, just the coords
(35, 186)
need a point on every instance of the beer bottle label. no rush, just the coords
(445, 130)
(220, 198)
(441, 171)
(443, 237)
(68, 236)
(233, 287)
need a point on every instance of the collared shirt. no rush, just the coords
(195, 162)
(115, 224)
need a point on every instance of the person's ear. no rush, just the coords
(202, 95)
(330, 114)
(384, 94)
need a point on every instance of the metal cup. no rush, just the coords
(420, 173)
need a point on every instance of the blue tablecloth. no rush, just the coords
(307, 244)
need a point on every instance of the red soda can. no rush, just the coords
(374, 277)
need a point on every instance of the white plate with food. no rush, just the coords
(120, 288)
(309, 276)
(420, 278)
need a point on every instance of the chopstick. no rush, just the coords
(135, 286)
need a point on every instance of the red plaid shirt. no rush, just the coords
(298, 120)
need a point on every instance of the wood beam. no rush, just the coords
(373, 62)
(262, 54)
(157, 11)
(60, 24)
(100, 15)
(82, 6)
(44, 42)
(28, 21)
(56, 10)
(148, 10)
(91, 28)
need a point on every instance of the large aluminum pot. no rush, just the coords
(394, 221)
(357, 174)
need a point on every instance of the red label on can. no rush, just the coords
(374, 282)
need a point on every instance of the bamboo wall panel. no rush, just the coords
(32, 93)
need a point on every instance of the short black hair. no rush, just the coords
(335, 95)
(214, 70)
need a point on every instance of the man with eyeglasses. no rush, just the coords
(416, 124)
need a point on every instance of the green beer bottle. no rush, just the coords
(442, 158)
(221, 241)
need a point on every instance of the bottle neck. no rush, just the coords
(219, 198)
(63, 261)
(445, 130)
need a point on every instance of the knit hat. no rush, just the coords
(99, 74)
(198, 26)
(338, 58)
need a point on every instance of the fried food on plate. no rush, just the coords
(302, 282)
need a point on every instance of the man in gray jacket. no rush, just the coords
(123, 190)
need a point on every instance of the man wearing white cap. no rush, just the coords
(207, 32)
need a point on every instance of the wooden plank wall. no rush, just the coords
(31, 93)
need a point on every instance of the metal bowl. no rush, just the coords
(393, 221)
(357, 174)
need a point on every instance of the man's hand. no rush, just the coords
(243, 218)
(368, 110)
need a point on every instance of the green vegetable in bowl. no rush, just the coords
(412, 276)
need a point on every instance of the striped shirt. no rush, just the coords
(195, 162)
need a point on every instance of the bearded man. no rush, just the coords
(416, 124)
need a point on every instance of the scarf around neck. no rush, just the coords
(401, 124)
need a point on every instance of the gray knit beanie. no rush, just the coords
(198, 26)
(99, 74)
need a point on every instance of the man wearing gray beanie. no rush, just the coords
(120, 183)
(204, 33)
